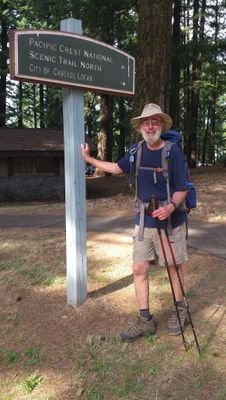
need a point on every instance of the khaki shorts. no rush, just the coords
(150, 248)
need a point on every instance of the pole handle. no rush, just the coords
(154, 202)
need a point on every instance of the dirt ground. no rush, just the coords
(34, 312)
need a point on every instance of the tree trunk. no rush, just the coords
(195, 89)
(34, 105)
(211, 155)
(104, 146)
(42, 106)
(176, 67)
(122, 129)
(3, 68)
(154, 54)
(206, 137)
(191, 89)
(109, 127)
(20, 105)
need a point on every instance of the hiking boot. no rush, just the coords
(173, 323)
(142, 327)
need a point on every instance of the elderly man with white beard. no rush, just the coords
(151, 183)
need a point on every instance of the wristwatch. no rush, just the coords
(173, 202)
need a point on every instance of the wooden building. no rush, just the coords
(32, 164)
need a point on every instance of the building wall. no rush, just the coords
(21, 188)
(61, 167)
(3, 167)
(29, 166)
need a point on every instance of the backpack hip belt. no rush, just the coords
(141, 207)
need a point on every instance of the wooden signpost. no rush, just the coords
(76, 63)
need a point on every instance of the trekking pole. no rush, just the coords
(186, 345)
(182, 288)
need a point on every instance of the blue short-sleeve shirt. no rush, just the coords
(148, 186)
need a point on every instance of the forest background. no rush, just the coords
(179, 47)
(49, 351)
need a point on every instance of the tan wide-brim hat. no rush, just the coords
(151, 110)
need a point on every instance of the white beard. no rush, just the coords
(151, 139)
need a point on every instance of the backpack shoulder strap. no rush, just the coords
(139, 154)
(165, 165)
(133, 151)
(137, 149)
(165, 157)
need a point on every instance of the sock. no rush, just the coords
(146, 314)
(180, 303)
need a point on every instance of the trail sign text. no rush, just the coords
(67, 60)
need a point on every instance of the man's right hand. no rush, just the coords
(106, 166)
(85, 151)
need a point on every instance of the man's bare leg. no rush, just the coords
(141, 283)
(175, 281)
(145, 324)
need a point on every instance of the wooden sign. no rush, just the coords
(70, 60)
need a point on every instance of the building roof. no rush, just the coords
(30, 139)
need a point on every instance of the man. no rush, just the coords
(151, 183)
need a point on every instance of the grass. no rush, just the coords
(33, 356)
(30, 383)
(50, 351)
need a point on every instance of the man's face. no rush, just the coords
(151, 129)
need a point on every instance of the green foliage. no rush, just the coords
(12, 357)
(31, 382)
(92, 394)
(13, 318)
(153, 371)
(201, 62)
(33, 356)
(152, 339)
